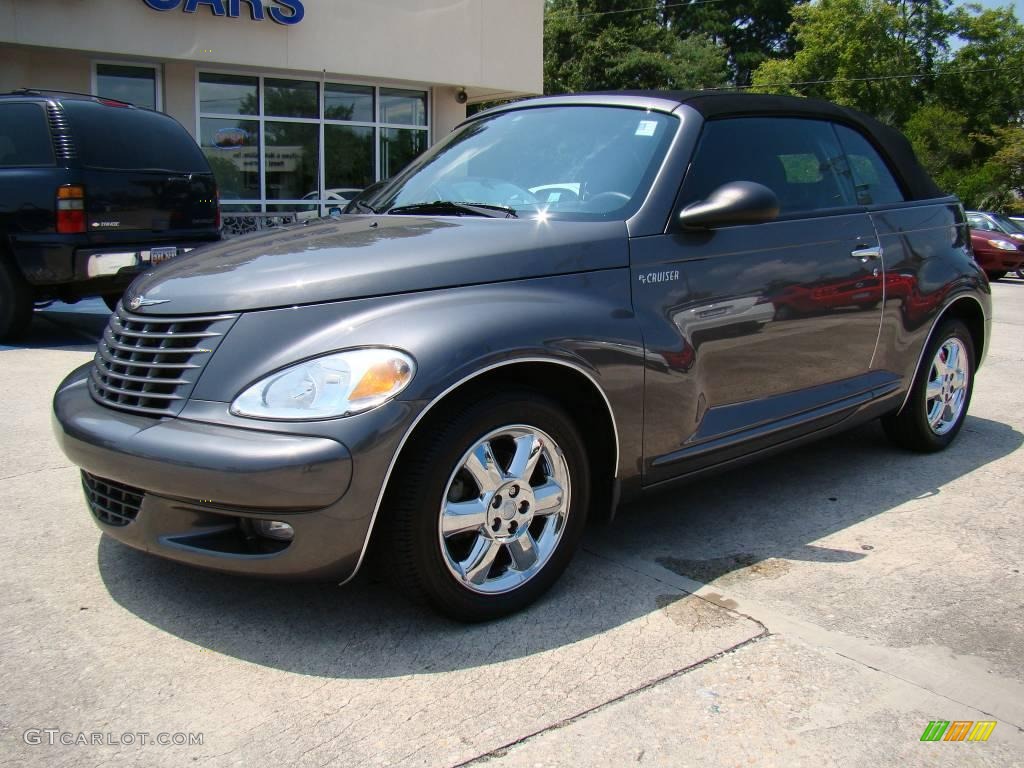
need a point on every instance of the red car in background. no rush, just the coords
(996, 253)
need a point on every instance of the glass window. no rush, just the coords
(233, 149)
(348, 102)
(131, 139)
(292, 160)
(229, 94)
(574, 162)
(799, 160)
(398, 148)
(872, 180)
(348, 156)
(291, 98)
(1006, 225)
(136, 85)
(278, 141)
(403, 107)
(24, 136)
(980, 222)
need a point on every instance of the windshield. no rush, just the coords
(1005, 224)
(570, 162)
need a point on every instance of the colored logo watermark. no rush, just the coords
(958, 730)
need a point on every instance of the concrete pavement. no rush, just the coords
(817, 608)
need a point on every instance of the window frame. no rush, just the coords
(158, 77)
(263, 202)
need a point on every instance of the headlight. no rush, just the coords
(339, 384)
(1002, 245)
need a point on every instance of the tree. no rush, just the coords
(751, 31)
(586, 48)
(869, 54)
(960, 105)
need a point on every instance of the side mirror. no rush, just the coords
(334, 211)
(738, 202)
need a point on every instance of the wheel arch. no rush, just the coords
(969, 310)
(568, 384)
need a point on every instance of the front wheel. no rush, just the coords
(940, 395)
(487, 507)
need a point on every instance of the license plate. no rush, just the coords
(156, 255)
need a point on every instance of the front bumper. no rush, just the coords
(203, 484)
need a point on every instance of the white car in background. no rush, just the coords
(338, 197)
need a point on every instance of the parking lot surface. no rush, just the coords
(816, 608)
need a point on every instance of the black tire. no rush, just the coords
(15, 302)
(996, 275)
(111, 300)
(1020, 274)
(910, 427)
(412, 550)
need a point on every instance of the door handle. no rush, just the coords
(867, 254)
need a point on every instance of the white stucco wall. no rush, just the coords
(490, 47)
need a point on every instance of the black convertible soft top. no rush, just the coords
(893, 145)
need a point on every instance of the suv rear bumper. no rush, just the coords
(203, 486)
(67, 263)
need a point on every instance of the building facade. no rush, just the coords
(293, 101)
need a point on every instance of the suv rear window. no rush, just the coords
(126, 139)
(24, 136)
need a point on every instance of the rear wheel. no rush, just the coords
(15, 302)
(1020, 274)
(487, 508)
(996, 275)
(940, 395)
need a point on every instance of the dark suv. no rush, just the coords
(568, 302)
(92, 192)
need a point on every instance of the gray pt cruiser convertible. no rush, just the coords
(566, 303)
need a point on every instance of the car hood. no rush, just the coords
(361, 256)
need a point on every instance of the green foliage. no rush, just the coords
(752, 31)
(959, 104)
(586, 52)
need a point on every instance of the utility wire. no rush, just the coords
(940, 73)
(638, 10)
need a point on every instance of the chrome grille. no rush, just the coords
(150, 364)
(111, 503)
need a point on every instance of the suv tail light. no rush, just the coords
(70, 210)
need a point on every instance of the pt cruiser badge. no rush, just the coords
(457, 378)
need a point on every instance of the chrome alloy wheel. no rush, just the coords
(947, 386)
(504, 510)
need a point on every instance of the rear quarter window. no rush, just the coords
(126, 139)
(24, 136)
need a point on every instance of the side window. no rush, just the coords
(980, 222)
(799, 160)
(872, 180)
(24, 136)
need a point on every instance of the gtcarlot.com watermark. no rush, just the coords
(53, 737)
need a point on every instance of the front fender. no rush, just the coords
(584, 320)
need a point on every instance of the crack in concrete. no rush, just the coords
(504, 748)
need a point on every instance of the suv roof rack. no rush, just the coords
(48, 91)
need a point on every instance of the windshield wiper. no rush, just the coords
(361, 206)
(450, 206)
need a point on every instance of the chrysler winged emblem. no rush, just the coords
(142, 301)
